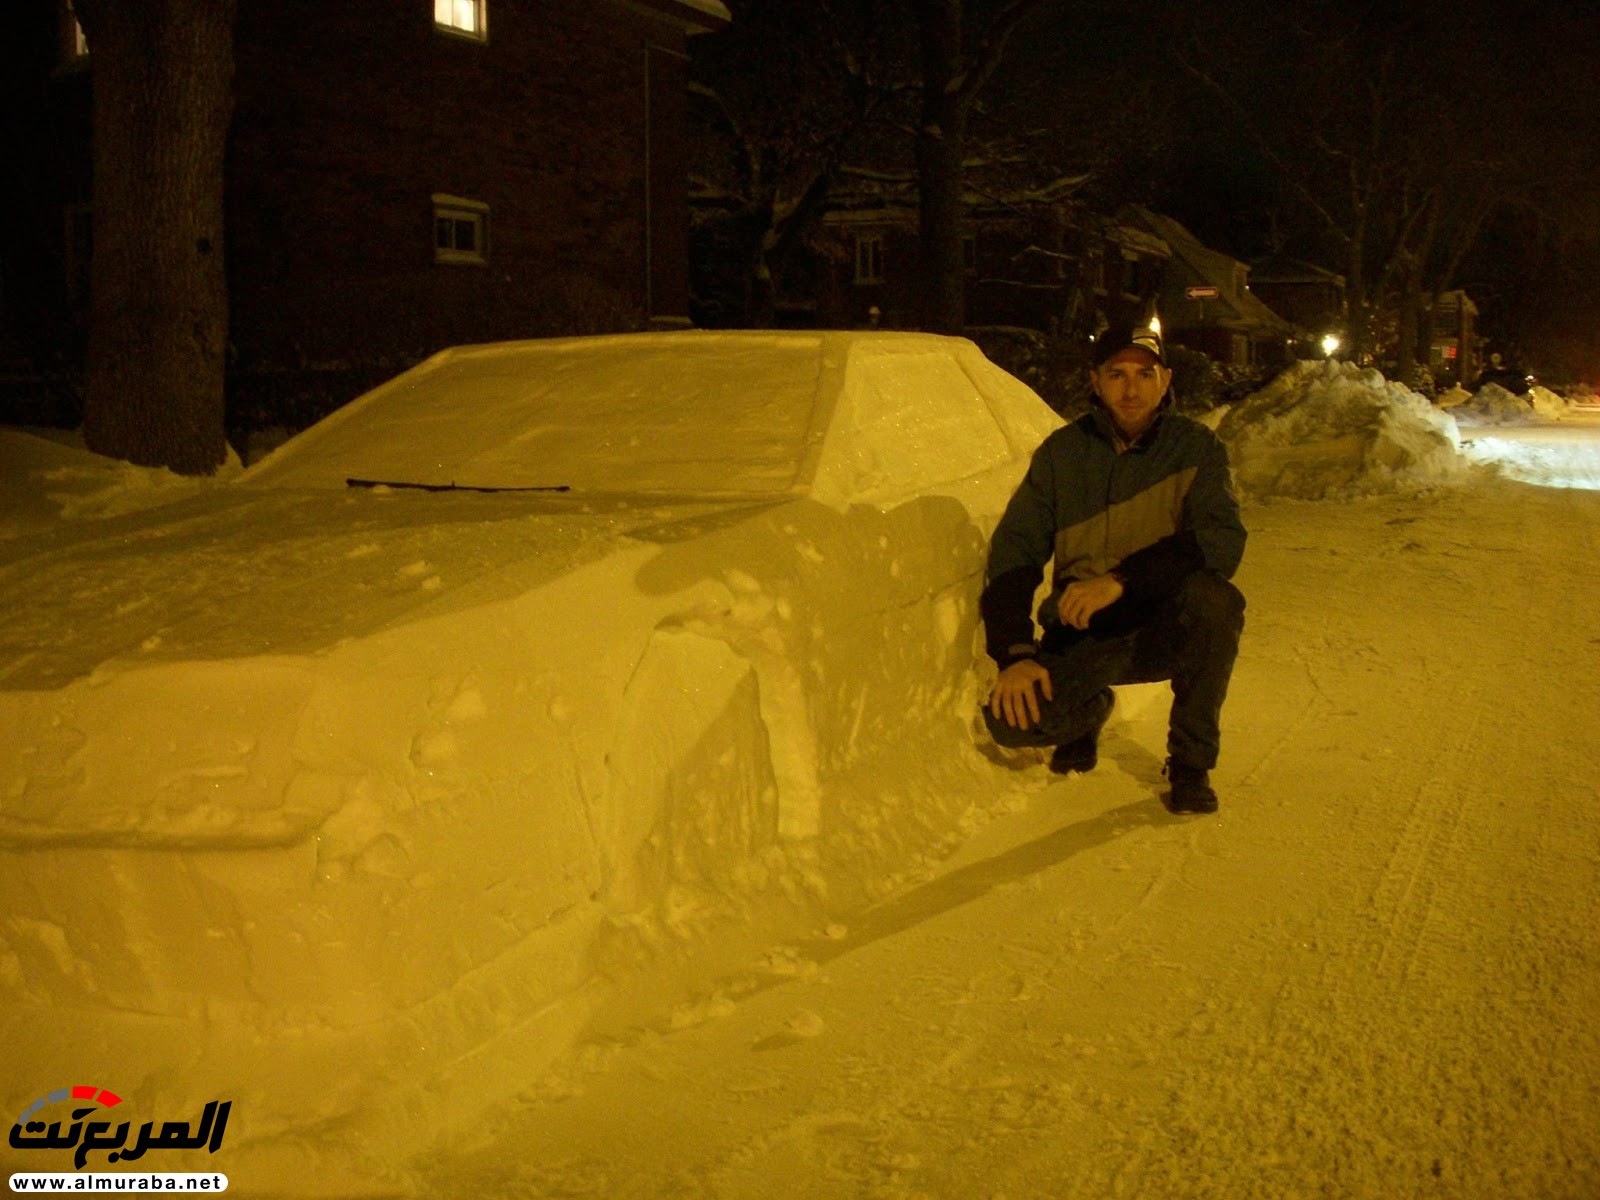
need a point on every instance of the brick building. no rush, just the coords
(1036, 259)
(405, 175)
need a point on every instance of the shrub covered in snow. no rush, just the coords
(1055, 365)
(1196, 382)
(1323, 430)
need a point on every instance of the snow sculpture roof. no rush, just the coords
(838, 416)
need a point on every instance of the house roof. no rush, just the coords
(1061, 188)
(1196, 264)
(1134, 238)
(867, 197)
(1281, 269)
(895, 195)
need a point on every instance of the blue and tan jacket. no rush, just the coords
(1153, 513)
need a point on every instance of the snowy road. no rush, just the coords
(1558, 455)
(1375, 974)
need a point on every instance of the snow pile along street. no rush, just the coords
(47, 476)
(1494, 405)
(1539, 438)
(1547, 404)
(1331, 429)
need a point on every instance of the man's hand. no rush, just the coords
(1085, 597)
(1014, 696)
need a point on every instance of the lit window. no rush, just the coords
(869, 258)
(464, 17)
(460, 230)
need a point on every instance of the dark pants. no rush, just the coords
(1192, 640)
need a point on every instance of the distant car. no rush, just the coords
(538, 654)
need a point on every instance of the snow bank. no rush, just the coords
(1494, 405)
(1547, 404)
(1324, 430)
(46, 475)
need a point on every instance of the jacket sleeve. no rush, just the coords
(1153, 573)
(1022, 544)
(1211, 536)
(1211, 511)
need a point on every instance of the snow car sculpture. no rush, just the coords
(317, 791)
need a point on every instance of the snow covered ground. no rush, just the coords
(1549, 455)
(1374, 974)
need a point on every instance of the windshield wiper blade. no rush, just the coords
(451, 487)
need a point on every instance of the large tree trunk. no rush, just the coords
(939, 152)
(163, 98)
(1358, 310)
(940, 148)
(951, 80)
(1409, 331)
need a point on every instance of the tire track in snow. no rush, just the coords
(1405, 898)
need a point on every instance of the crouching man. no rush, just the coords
(1136, 507)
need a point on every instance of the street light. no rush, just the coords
(1330, 344)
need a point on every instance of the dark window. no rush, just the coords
(460, 230)
(1130, 277)
(869, 258)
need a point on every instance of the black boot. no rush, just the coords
(1190, 791)
(1083, 753)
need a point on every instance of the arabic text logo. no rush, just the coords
(29, 1134)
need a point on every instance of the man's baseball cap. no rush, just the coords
(1116, 338)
